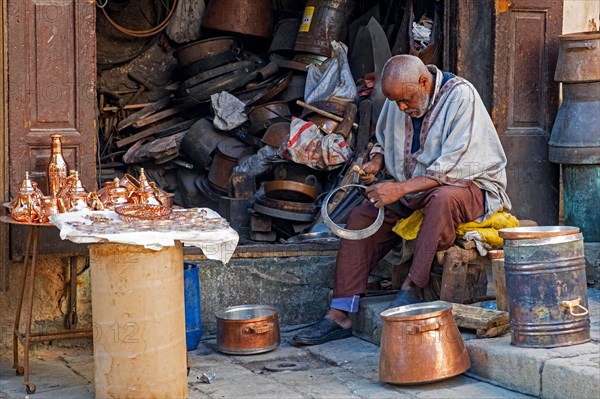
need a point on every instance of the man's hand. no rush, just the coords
(371, 168)
(385, 193)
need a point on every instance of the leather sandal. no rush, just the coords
(324, 330)
(406, 297)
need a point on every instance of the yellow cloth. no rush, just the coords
(409, 228)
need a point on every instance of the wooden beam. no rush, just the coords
(4, 178)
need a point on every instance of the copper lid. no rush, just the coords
(517, 233)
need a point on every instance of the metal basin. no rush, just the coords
(247, 329)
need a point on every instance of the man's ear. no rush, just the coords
(423, 80)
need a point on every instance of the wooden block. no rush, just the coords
(260, 223)
(464, 244)
(454, 277)
(493, 331)
(268, 237)
(500, 283)
(476, 318)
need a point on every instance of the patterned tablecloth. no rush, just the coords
(198, 227)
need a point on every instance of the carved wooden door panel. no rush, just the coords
(52, 65)
(525, 101)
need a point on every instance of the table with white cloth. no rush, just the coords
(137, 294)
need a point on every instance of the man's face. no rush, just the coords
(411, 98)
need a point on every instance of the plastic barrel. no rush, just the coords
(193, 311)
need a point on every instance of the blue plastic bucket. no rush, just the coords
(193, 311)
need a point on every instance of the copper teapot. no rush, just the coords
(76, 199)
(145, 193)
(113, 194)
(26, 208)
(165, 198)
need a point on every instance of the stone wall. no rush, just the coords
(299, 287)
(50, 299)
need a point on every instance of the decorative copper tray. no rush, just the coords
(135, 212)
(9, 219)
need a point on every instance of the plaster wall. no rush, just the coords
(581, 15)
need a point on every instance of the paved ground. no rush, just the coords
(340, 369)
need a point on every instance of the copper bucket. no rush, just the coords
(421, 343)
(250, 17)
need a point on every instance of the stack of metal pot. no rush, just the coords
(575, 139)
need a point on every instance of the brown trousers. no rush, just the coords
(444, 208)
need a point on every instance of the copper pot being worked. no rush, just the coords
(247, 329)
(421, 343)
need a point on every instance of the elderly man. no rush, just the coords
(437, 141)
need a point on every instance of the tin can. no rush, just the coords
(546, 286)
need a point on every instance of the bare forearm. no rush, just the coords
(417, 184)
(385, 193)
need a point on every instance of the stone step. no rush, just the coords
(565, 372)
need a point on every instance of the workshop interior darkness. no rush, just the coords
(176, 143)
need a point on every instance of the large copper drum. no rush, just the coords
(421, 343)
(247, 329)
(546, 286)
(250, 17)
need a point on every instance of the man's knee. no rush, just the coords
(362, 217)
(443, 196)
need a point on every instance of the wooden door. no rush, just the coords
(525, 101)
(52, 65)
(4, 189)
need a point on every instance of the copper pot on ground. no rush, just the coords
(421, 343)
(247, 329)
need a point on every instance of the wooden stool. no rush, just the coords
(459, 274)
(464, 274)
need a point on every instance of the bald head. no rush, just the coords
(407, 81)
(403, 68)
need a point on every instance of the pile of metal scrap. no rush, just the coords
(214, 131)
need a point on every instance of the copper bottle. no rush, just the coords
(57, 167)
